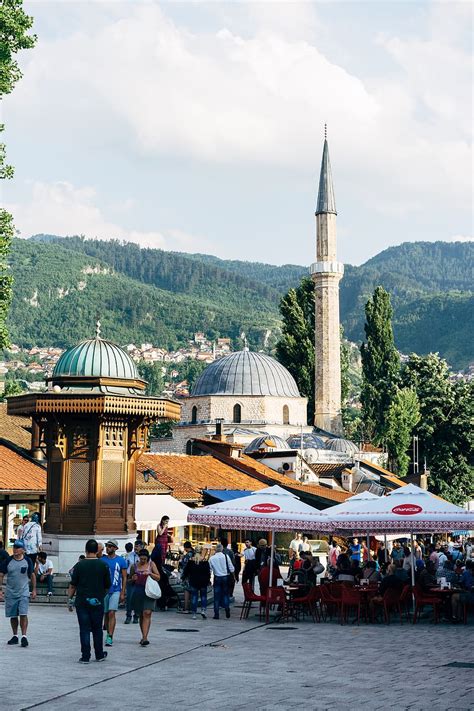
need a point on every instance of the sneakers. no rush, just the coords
(216, 617)
(135, 619)
(203, 614)
(227, 612)
(24, 642)
(127, 620)
(49, 594)
(109, 641)
(194, 617)
(83, 661)
(13, 640)
(102, 658)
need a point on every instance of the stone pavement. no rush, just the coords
(233, 665)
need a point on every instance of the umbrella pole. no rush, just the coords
(412, 571)
(272, 550)
(368, 547)
(385, 544)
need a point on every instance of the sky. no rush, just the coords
(199, 127)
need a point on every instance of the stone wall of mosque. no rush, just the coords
(253, 410)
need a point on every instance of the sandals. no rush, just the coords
(144, 642)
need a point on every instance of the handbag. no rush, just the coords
(152, 588)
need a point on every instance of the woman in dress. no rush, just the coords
(143, 606)
(162, 536)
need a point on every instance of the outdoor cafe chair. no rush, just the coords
(422, 599)
(350, 599)
(249, 597)
(406, 599)
(276, 597)
(331, 598)
(391, 600)
(308, 602)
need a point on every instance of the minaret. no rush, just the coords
(326, 273)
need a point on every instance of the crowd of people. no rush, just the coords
(102, 580)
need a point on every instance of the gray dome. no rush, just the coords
(342, 445)
(246, 373)
(268, 442)
(310, 441)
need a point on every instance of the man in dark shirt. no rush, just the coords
(90, 581)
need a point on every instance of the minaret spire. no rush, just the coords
(326, 273)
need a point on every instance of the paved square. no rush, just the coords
(239, 665)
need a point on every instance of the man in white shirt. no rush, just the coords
(250, 565)
(44, 572)
(295, 546)
(222, 567)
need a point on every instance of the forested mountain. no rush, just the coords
(62, 284)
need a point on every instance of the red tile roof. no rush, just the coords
(14, 428)
(20, 473)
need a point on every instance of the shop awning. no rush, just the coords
(149, 509)
(226, 494)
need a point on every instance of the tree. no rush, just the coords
(295, 349)
(152, 373)
(402, 417)
(14, 27)
(12, 387)
(445, 430)
(380, 365)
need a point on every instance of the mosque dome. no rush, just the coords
(246, 373)
(96, 358)
(305, 441)
(344, 446)
(268, 443)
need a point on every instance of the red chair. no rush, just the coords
(406, 600)
(391, 600)
(276, 596)
(331, 597)
(422, 599)
(309, 602)
(350, 599)
(249, 597)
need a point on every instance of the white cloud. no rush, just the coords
(62, 209)
(401, 141)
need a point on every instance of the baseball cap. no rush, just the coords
(112, 542)
(19, 544)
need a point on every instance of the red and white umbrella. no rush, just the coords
(270, 509)
(408, 508)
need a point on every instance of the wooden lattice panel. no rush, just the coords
(78, 483)
(111, 482)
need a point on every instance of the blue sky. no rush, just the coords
(198, 126)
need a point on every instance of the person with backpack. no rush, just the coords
(32, 538)
(198, 573)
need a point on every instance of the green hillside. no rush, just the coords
(163, 297)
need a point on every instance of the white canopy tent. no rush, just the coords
(270, 509)
(408, 508)
(149, 509)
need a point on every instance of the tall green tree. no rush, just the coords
(402, 417)
(446, 427)
(152, 373)
(14, 29)
(380, 366)
(295, 349)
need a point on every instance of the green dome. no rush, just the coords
(96, 358)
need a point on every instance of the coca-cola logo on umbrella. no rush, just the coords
(407, 509)
(265, 508)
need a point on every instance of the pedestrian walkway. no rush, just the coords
(211, 664)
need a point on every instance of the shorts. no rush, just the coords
(17, 606)
(111, 601)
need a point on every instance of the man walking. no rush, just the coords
(90, 580)
(116, 594)
(19, 570)
(222, 567)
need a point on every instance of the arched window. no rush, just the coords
(194, 414)
(189, 446)
(237, 415)
(286, 415)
